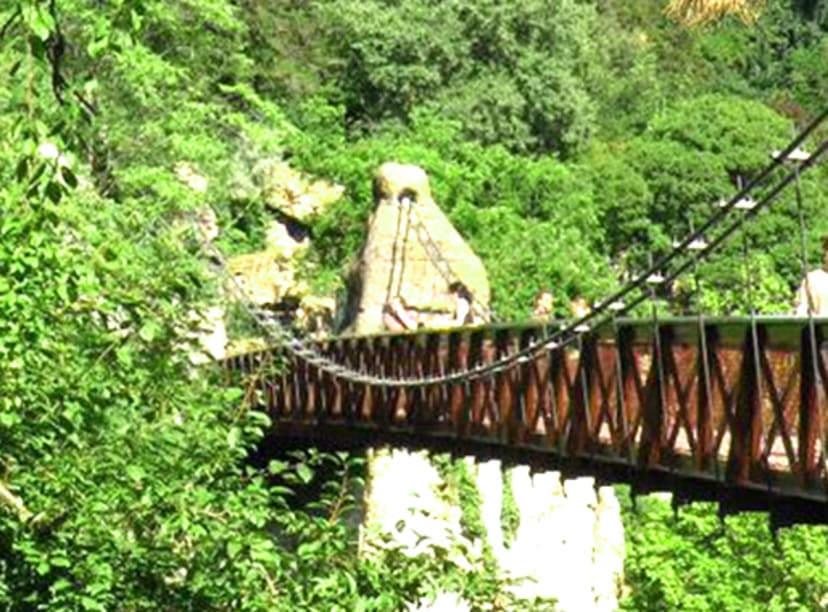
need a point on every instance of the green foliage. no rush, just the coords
(567, 141)
(131, 465)
(595, 221)
(518, 74)
(693, 561)
(656, 187)
(740, 132)
(461, 490)
(470, 501)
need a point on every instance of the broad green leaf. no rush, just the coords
(304, 472)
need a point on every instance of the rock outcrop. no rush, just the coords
(412, 251)
(569, 542)
(292, 193)
(403, 507)
(568, 545)
(264, 278)
(208, 336)
(270, 278)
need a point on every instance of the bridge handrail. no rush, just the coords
(783, 331)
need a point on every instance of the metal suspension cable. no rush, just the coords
(742, 194)
(389, 293)
(567, 334)
(761, 204)
(695, 236)
(813, 343)
(562, 338)
(409, 212)
(436, 257)
(755, 348)
(703, 352)
(570, 332)
(144, 235)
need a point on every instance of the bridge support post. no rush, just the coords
(505, 389)
(746, 423)
(706, 459)
(580, 407)
(812, 398)
(655, 399)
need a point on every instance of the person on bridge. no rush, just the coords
(398, 317)
(544, 305)
(462, 300)
(579, 308)
(812, 295)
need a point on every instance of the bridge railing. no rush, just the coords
(737, 401)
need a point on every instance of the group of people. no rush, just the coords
(544, 306)
(398, 315)
(811, 299)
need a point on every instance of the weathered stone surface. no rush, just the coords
(490, 485)
(246, 345)
(609, 551)
(283, 242)
(211, 335)
(315, 315)
(264, 278)
(412, 251)
(534, 555)
(402, 503)
(294, 194)
(270, 276)
(569, 545)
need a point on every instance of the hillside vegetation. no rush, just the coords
(567, 140)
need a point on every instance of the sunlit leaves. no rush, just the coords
(698, 12)
(38, 18)
(105, 430)
(518, 74)
(135, 461)
(693, 560)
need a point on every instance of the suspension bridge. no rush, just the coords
(728, 409)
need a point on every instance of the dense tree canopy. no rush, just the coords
(567, 140)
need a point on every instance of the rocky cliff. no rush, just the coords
(412, 252)
(550, 538)
(568, 539)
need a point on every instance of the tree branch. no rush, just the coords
(55, 52)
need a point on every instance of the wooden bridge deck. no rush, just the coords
(728, 409)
